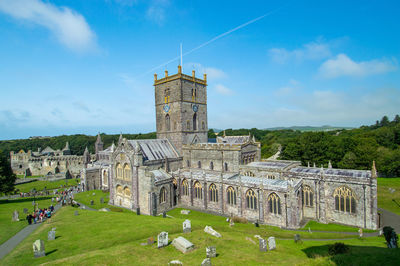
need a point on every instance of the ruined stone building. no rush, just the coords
(181, 169)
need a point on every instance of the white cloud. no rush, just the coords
(157, 10)
(310, 51)
(342, 65)
(69, 27)
(221, 89)
(212, 72)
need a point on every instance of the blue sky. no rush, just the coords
(70, 67)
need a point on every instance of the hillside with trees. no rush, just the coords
(345, 148)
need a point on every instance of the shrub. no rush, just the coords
(389, 232)
(237, 219)
(338, 248)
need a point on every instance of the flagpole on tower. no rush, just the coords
(181, 57)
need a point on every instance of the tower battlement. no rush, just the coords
(180, 75)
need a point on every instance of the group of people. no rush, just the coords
(40, 215)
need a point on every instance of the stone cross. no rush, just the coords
(271, 243)
(15, 216)
(162, 239)
(211, 252)
(187, 226)
(51, 235)
(262, 243)
(38, 248)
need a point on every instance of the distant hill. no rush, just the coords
(309, 128)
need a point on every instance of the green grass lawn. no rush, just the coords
(7, 207)
(40, 185)
(32, 176)
(316, 226)
(93, 238)
(87, 196)
(385, 197)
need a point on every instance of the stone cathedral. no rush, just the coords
(182, 169)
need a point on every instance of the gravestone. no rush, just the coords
(271, 243)
(262, 243)
(164, 214)
(76, 213)
(256, 224)
(38, 249)
(93, 194)
(211, 231)
(54, 228)
(51, 235)
(360, 232)
(15, 216)
(211, 252)
(150, 240)
(25, 210)
(185, 212)
(101, 200)
(91, 202)
(104, 210)
(309, 230)
(138, 211)
(162, 239)
(52, 199)
(297, 238)
(257, 236)
(187, 226)
(175, 262)
(231, 223)
(206, 262)
(182, 244)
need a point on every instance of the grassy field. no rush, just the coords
(385, 197)
(87, 196)
(40, 185)
(315, 226)
(114, 238)
(33, 176)
(7, 207)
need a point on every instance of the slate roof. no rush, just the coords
(233, 139)
(47, 150)
(160, 175)
(155, 149)
(268, 183)
(333, 172)
(274, 164)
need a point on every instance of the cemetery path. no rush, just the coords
(11, 243)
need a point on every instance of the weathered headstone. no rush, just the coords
(101, 200)
(297, 238)
(51, 235)
(162, 239)
(211, 231)
(182, 244)
(38, 248)
(52, 199)
(104, 210)
(309, 230)
(271, 243)
(175, 262)
(185, 212)
(187, 226)
(206, 262)
(360, 232)
(93, 193)
(257, 224)
(164, 214)
(211, 252)
(138, 211)
(76, 213)
(25, 210)
(91, 202)
(15, 216)
(150, 240)
(262, 243)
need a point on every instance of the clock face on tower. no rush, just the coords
(195, 108)
(166, 108)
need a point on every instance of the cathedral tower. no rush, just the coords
(181, 108)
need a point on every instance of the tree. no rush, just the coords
(7, 177)
(384, 121)
(396, 119)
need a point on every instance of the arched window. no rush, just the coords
(188, 125)
(127, 192)
(213, 193)
(198, 164)
(195, 121)
(185, 187)
(203, 125)
(231, 195)
(308, 196)
(167, 123)
(175, 125)
(127, 172)
(105, 178)
(119, 190)
(118, 168)
(198, 190)
(211, 166)
(270, 176)
(274, 203)
(163, 195)
(226, 166)
(188, 163)
(251, 200)
(344, 200)
(166, 96)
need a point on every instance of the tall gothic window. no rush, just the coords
(211, 166)
(185, 187)
(226, 166)
(213, 193)
(118, 168)
(251, 200)
(195, 121)
(188, 163)
(203, 125)
(231, 195)
(344, 200)
(127, 172)
(188, 125)
(163, 195)
(166, 96)
(198, 164)
(274, 203)
(198, 190)
(308, 196)
(167, 123)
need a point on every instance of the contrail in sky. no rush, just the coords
(214, 39)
